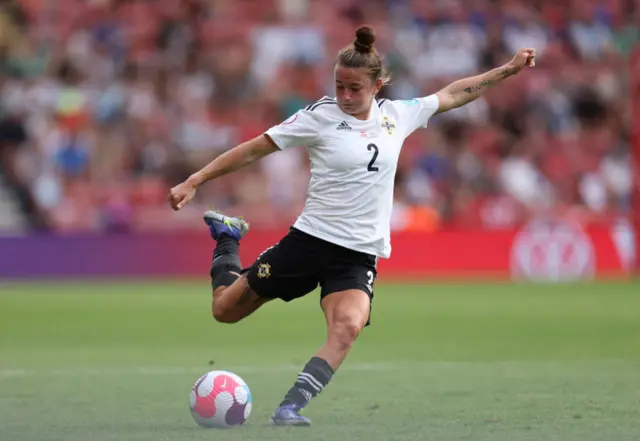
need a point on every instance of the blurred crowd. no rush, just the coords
(106, 104)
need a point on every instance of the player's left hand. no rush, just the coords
(181, 194)
(525, 57)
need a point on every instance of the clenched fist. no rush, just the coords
(524, 58)
(181, 194)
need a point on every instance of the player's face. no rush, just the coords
(355, 89)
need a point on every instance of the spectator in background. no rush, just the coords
(104, 105)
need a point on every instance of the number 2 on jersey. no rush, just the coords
(371, 167)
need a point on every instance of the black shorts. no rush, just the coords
(297, 264)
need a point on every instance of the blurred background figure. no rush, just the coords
(105, 319)
(106, 104)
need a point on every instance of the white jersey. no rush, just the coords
(353, 167)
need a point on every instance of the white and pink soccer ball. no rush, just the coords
(220, 399)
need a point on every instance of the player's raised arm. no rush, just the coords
(466, 90)
(231, 160)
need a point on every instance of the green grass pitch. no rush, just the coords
(500, 362)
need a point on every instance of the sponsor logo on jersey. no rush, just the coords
(343, 126)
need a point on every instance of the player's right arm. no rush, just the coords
(234, 159)
(231, 160)
(300, 129)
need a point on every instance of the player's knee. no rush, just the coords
(345, 331)
(223, 314)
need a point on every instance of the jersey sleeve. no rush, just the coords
(300, 129)
(415, 113)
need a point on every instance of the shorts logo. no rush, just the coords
(264, 270)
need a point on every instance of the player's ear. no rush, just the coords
(378, 85)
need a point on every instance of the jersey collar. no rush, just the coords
(374, 111)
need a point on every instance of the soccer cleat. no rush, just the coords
(289, 415)
(220, 224)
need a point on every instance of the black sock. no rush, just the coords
(225, 259)
(310, 382)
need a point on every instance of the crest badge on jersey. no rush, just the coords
(388, 124)
(264, 270)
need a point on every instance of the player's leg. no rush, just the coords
(235, 302)
(287, 270)
(347, 313)
(233, 299)
(346, 302)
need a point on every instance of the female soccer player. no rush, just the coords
(353, 141)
